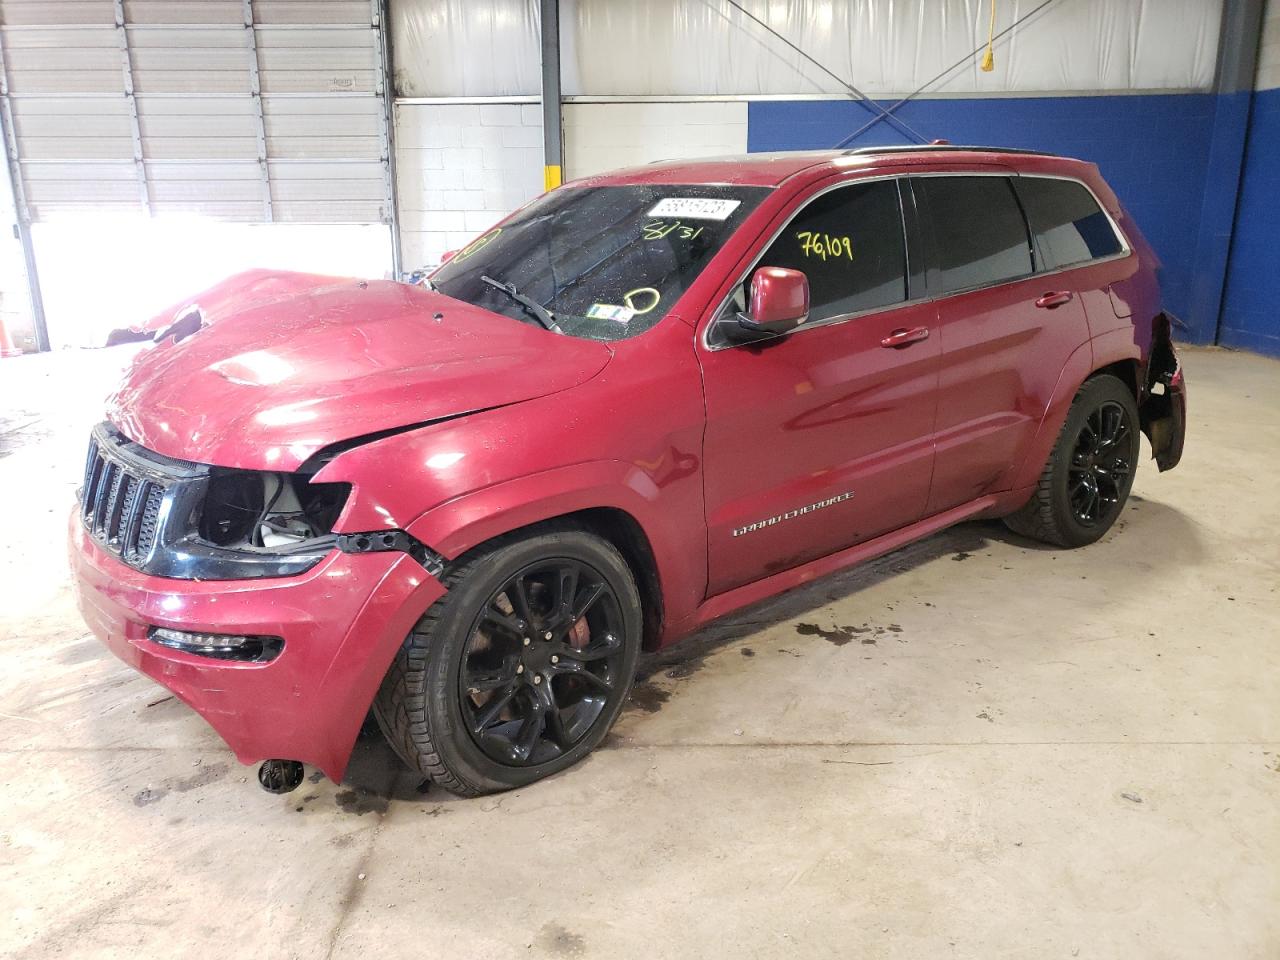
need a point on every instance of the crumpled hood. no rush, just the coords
(288, 363)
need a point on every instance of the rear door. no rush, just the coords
(1074, 235)
(1006, 332)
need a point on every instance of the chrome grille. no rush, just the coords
(119, 504)
(150, 517)
(123, 497)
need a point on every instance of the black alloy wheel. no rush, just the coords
(544, 656)
(1089, 472)
(1101, 467)
(521, 667)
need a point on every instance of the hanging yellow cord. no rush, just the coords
(989, 58)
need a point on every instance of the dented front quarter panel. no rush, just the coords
(630, 440)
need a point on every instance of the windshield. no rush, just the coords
(605, 262)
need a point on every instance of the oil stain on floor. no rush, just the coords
(837, 635)
(207, 775)
(840, 635)
(361, 801)
(648, 697)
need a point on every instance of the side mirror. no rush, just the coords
(779, 303)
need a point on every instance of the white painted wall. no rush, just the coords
(461, 167)
(605, 136)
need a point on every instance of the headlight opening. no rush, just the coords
(256, 510)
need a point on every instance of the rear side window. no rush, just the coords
(1069, 226)
(849, 243)
(978, 230)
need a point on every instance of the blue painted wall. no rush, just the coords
(1251, 306)
(1153, 150)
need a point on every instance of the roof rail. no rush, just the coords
(942, 148)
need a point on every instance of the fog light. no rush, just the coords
(220, 646)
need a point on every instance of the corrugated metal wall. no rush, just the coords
(469, 48)
(246, 110)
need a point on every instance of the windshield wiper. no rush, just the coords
(544, 316)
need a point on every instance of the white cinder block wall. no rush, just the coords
(605, 136)
(460, 167)
(463, 166)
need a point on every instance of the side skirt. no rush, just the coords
(733, 600)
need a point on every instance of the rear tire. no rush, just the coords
(1089, 474)
(521, 668)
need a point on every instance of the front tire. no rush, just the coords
(1089, 474)
(520, 669)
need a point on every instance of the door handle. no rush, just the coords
(904, 338)
(1055, 299)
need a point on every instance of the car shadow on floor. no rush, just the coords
(376, 772)
(1140, 519)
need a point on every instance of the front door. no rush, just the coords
(822, 438)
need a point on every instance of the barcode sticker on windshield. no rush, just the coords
(695, 208)
(609, 311)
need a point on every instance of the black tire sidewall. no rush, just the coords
(454, 743)
(1094, 393)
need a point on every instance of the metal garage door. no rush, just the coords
(248, 110)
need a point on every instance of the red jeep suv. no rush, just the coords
(640, 402)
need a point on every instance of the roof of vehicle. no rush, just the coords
(771, 169)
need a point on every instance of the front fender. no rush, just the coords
(628, 440)
(678, 546)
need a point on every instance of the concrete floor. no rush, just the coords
(971, 748)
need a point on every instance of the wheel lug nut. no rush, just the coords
(537, 679)
(520, 668)
(547, 635)
(528, 640)
(555, 659)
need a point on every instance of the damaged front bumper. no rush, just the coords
(341, 623)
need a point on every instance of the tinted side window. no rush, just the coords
(978, 228)
(849, 244)
(1068, 224)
